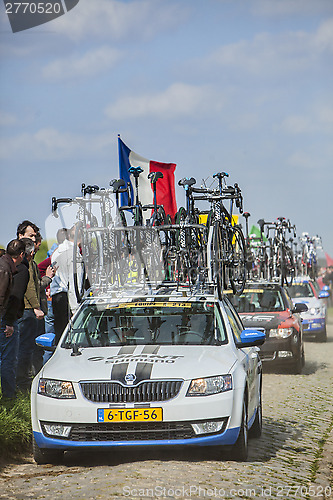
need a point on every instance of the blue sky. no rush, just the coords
(243, 86)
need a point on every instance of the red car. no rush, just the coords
(269, 306)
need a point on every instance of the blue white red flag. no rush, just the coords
(165, 187)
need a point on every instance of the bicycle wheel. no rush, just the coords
(288, 267)
(237, 261)
(216, 257)
(92, 251)
(79, 272)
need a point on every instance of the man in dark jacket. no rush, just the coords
(8, 338)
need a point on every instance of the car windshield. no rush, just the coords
(140, 323)
(258, 300)
(300, 290)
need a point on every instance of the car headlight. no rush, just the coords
(58, 389)
(210, 385)
(281, 333)
(315, 310)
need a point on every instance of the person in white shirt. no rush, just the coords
(64, 302)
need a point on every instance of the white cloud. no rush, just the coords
(272, 54)
(119, 20)
(319, 119)
(49, 144)
(7, 119)
(179, 99)
(278, 8)
(89, 64)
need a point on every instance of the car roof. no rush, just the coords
(271, 285)
(165, 294)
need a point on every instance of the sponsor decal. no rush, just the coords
(128, 305)
(130, 368)
(257, 317)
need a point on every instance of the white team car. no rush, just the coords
(165, 368)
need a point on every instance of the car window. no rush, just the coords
(300, 290)
(139, 323)
(258, 300)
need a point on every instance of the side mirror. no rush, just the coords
(46, 341)
(323, 294)
(250, 338)
(300, 308)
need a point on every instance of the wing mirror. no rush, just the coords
(46, 341)
(250, 337)
(299, 308)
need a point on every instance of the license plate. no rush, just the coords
(130, 415)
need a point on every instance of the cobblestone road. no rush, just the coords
(292, 459)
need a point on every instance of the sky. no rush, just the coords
(241, 86)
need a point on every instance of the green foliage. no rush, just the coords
(15, 425)
(42, 252)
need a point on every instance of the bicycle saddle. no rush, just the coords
(89, 189)
(220, 175)
(187, 181)
(154, 176)
(117, 184)
(135, 171)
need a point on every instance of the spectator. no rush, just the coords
(64, 301)
(44, 282)
(8, 263)
(27, 229)
(42, 266)
(27, 324)
(14, 310)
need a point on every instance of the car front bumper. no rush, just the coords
(279, 350)
(313, 326)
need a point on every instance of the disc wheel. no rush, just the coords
(218, 263)
(79, 272)
(237, 261)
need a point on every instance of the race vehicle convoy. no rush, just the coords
(306, 290)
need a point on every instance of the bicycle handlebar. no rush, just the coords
(56, 201)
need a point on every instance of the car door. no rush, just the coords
(251, 361)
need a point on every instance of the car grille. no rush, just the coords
(129, 432)
(145, 392)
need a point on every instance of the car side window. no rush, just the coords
(235, 322)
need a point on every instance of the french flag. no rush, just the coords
(165, 187)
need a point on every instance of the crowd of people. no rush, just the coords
(34, 299)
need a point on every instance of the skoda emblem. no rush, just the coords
(130, 378)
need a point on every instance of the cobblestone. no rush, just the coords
(292, 459)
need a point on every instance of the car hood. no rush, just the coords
(140, 363)
(309, 301)
(265, 320)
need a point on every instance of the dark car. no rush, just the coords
(269, 306)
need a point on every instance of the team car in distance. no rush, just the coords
(166, 368)
(305, 290)
(269, 306)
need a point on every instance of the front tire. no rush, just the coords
(322, 336)
(46, 456)
(239, 450)
(256, 429)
